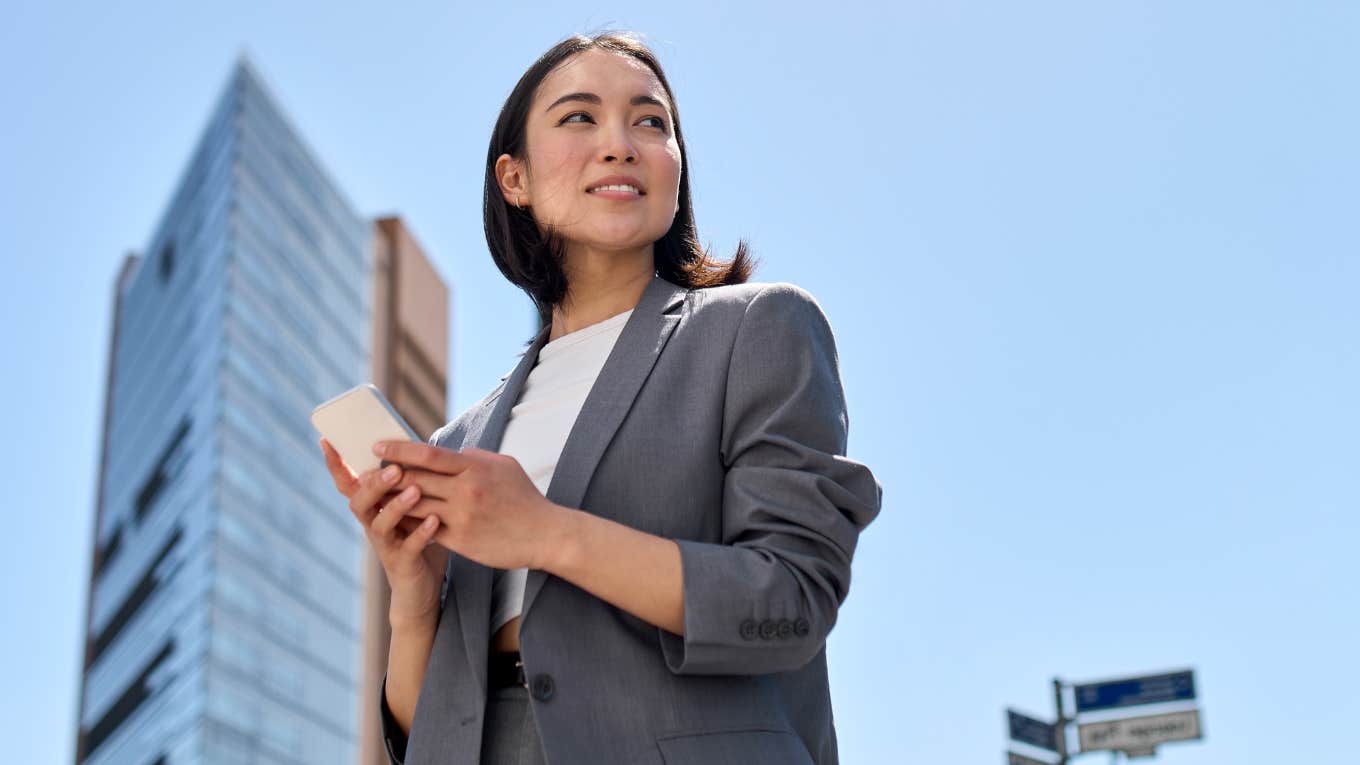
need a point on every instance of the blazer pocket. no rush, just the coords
(750, 746)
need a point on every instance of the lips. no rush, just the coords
(617, 181)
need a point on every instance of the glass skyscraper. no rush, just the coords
(232, 599)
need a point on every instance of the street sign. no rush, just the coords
(1019, 759)
(1033, 732)
(1153, 689)
(1138, 734)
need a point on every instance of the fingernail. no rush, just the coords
(408, 493)
(390, 472)
(379, 448)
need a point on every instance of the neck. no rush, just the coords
(600, 285)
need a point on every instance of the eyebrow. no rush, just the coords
(591, 98)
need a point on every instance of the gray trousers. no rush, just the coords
(509, 735)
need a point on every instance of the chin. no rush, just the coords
(622, 237)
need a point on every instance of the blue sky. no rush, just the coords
(1092, 269)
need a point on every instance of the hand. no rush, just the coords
(414, 566)
(489, 511)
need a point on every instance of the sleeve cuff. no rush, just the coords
(727, 630)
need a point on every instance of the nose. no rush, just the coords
(618, 146)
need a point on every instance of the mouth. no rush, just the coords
(617, 187)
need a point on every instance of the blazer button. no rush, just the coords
(785, 629)
(748, 630)
(801, 627)
(767, 629)
(542, 687)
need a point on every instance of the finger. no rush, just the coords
(372, 485)
(431, 483)
(418, 539)
(391, 514)
(410, 523)
(415, 514)
(341, 474)
(422, 455)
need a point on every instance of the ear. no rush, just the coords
(511, 177)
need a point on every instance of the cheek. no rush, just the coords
(552, 158)
(673, 158)
(663, 165)
(670, 160)
(555, 171)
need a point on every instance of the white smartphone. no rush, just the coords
(356, 419)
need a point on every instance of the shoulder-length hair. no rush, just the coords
(533, 261)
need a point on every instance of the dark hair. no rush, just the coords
(532, 261)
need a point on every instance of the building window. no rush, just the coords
(147, 587)
(167, 260)
(138, 691)
(153, 485)
(106, 552)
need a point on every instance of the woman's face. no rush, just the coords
(599, 115)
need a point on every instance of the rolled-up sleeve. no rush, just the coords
(765, 599)
(394, 741)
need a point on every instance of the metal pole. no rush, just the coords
(1062, 721)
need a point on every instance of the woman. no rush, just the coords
(648, 525)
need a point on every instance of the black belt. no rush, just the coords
(504, 668)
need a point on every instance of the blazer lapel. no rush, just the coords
(627, 366)
(470, 582)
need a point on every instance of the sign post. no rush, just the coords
(1136, 737)
(1062, 721)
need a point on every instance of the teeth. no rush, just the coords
(633, 189)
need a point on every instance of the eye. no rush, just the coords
(660, 123)
(568, 118)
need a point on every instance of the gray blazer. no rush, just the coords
(719, 421)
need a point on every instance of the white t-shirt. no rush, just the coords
(540, 421)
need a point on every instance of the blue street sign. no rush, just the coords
(1154, 689)
(1033, 732)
